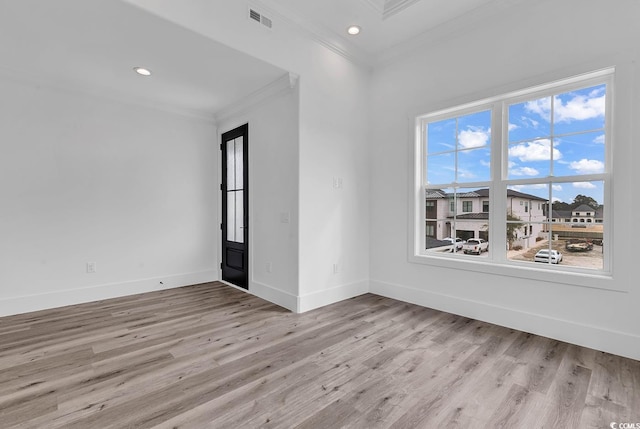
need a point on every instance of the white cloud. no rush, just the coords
(474, 137)
(541, 107)
(556, 187)
(466, 174)
(523, 171)
(577, 108)
(513, 126)
(599, 139)
(524, 188)
(584, 185)
(539, 150)
(587, 166)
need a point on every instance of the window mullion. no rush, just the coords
(497, 192)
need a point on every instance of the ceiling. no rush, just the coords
(386, 24)
(94, 46)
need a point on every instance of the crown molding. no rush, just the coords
(32, 79)
(278, 87)
(315, 32)
(455, 27)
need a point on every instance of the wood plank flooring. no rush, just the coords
(210, 356)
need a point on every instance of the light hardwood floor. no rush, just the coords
(209, 356)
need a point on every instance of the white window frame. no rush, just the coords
(496, 262)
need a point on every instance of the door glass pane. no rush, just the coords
(231, 165)
(239, 217)
(231, 216)
(239, 162)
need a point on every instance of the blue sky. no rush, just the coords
(575, 147)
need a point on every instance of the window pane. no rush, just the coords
(570, 234)
(580, 110)
(441, 136)
(530, 120)
(453, 216)
(437, 220)
(577, 227)
(527, 219)
(579, 154)
(531, 159)
(474, 130)
(474, 165)
(441, 168)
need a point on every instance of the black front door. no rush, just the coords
(235, 199)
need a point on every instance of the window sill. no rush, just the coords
(594, 280)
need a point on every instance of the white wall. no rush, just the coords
(273, 192)
(333, 141)
(539, 42)
(85, 179)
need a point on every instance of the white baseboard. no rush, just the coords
(27, 303)
(615, 342)
(274, 295)
(329, 296)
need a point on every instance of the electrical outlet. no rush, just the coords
(269, 267)
(336, 268)
(91, 267)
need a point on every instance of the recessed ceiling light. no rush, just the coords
(142, 71)
(353, 30)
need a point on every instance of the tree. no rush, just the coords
(512, 228)
(583, 199)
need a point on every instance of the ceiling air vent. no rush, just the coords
(258, 17)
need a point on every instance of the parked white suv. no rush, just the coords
(546, 255)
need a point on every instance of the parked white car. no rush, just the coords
(459, 242)
(546, 255)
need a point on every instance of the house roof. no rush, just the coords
(558, 214)
(584, 208)
(471, 216)
(478, 193)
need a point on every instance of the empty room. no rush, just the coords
(319, 214)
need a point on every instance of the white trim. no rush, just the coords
(315, 32)
(616, 342)
(278, 87)
(324, 297)
(269, 293)
(63, 298)
(456, 27)
(30, 79)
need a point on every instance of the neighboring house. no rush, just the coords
(584, 214)
(581, 214)
(466, 216)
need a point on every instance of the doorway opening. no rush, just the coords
(235, 206)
